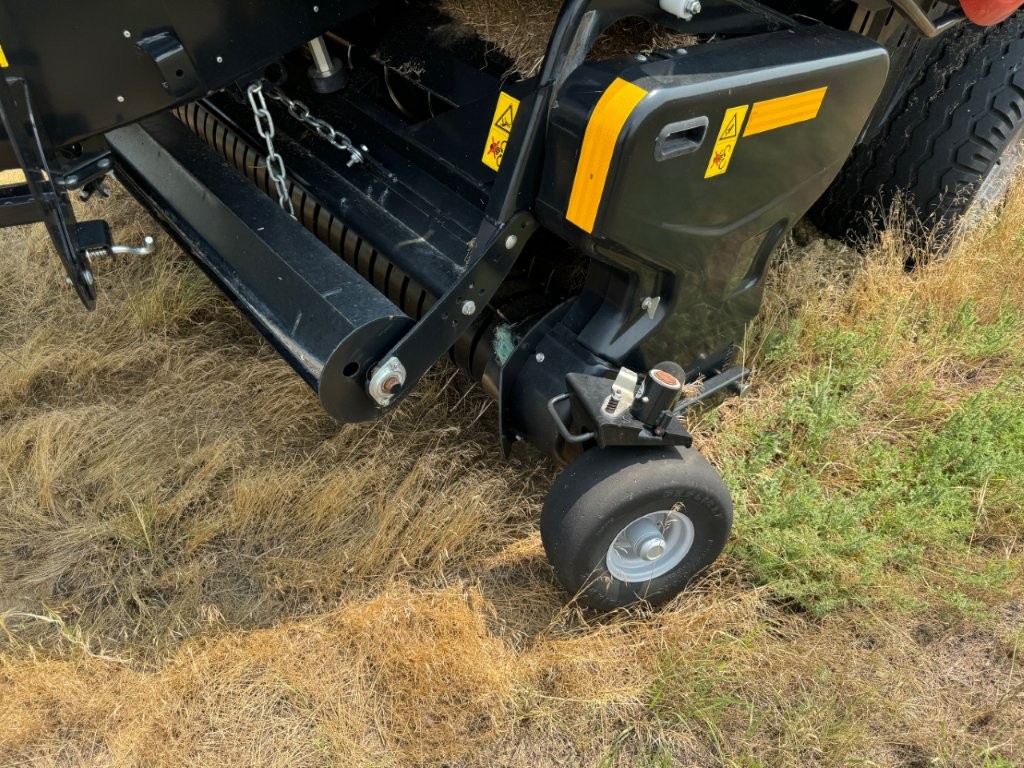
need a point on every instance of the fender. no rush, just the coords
(987, 12)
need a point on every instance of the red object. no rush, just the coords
(986, 12)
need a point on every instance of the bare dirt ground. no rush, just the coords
(197, 567)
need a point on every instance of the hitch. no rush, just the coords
(734, 378)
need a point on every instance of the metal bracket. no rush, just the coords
(913, 13)
(26, 137)
(734, 378)
(180, 77)
(587, 394)
(447, 319)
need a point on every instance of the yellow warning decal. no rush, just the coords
(728, 135)
(3, 59)
(613, 109)
(501, 128)
(789, 110)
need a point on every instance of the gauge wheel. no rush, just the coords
(628, 525)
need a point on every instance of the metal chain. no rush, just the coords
(324, 130)
(275, 163)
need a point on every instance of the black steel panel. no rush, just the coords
(89, 76)
(323, 318)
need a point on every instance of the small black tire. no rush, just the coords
(949, 141)
(603, 491)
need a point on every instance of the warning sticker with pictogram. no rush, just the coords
(732, 128)
(499, 131)
(728, 135)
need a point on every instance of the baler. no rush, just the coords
(375, 187)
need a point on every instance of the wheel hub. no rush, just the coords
(650, 546)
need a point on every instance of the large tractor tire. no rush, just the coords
(949, 143)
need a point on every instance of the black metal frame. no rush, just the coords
(323, 315)
(39, 198)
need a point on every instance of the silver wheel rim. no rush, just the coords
(650, 546)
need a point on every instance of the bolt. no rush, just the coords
(316, 9)
(613, 402)
(693, 7)
(70, 181)
(104, 163)
(120, 99)
(468, 308)
(127, 35)
(539, 357)
(386, 381)
(220, 59)
(641, 57)
(650, 305)
(510, 242)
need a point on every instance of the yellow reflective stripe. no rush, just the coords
(3, 59)
(613, 109)
(789, 110)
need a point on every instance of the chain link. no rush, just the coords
(275, 163)
(323, 129)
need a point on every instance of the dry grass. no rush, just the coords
(520, 30)
(198, 567)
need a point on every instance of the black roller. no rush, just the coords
(322, 317)
(519, 300)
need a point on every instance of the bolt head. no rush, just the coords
(539, 357)
(510, 242)
(120, 99)
(695, 6)
(127, 34)
(220, 59)
(468, 308)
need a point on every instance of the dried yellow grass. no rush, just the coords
(520, 30)
(198, 567)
